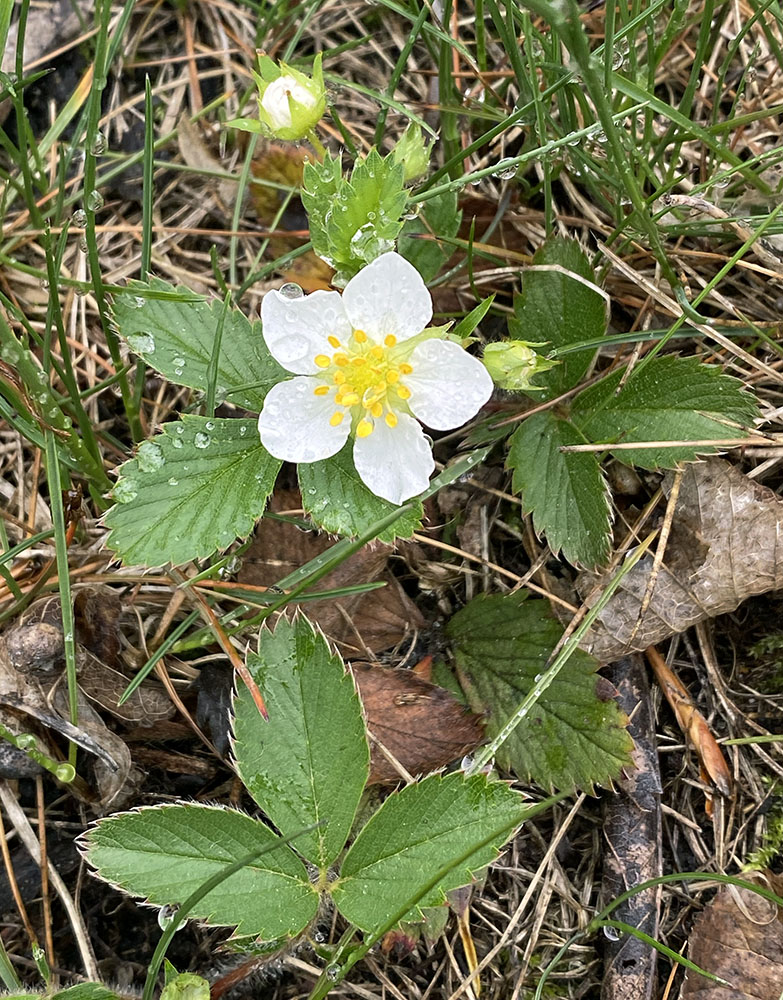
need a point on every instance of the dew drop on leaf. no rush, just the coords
(141, 343)
(125, 491)
(149, 456)
(201, 440)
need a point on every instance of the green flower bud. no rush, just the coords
(186, 986)
(413, 153)
(512, 364)
(290, 103)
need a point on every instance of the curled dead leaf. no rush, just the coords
(724, 547)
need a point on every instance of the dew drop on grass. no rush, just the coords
(98, 147)
(26, 741)
(201, 440)
(95, 201)
(79, 218)
(83, 244)
(611, 933)
(65, 772)
(166, 916)
(141, 343)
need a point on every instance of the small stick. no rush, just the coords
(47, 903)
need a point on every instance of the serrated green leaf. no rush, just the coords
(85, 991)
(416, 832)
(557, 308)
(173, 330)
(365, 216)
(671, 399)
(574, 737)
(321, 182)
(190, 491)
(309, 763)
(565, 491)
(440, 217)
(339, 502)
(165, 853)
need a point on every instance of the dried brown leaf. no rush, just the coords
(422, 725)
(373, 621)
(724, 547)
(738, 937)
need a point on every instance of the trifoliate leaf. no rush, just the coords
(339, 502)
(309, 763)
(321, 182)
(417, 832)
(190, 491)
(574, 736)
(670, 399)
(173, 330)
(82, 991)
(165, 853)
(565, 491)
(423, 240)
(559, 307)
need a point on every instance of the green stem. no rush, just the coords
(64, 582)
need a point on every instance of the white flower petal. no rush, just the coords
(447, 385)
(294, 423)
(275, 100)
(394, 462)
(388, 297)
(295, 330)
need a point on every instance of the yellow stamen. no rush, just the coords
(339, 378)
(403, 392)
(322, 361)
(359, 362)
(391, 419)
(363, 428)
(349, 398)
(377, 409)
(405, 368)
(360, 336)
(341, 359)
(336, 418)
(392, 376)
(390, 340)
(322, 390)
(377, 352)
(334, 341)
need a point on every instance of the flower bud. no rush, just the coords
(186, 986)
(413, 153)
(290, 103)
(512, 364)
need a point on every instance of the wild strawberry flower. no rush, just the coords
(367, 366)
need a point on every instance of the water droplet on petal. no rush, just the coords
(290, 290)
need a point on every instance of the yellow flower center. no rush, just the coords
(365, 376)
